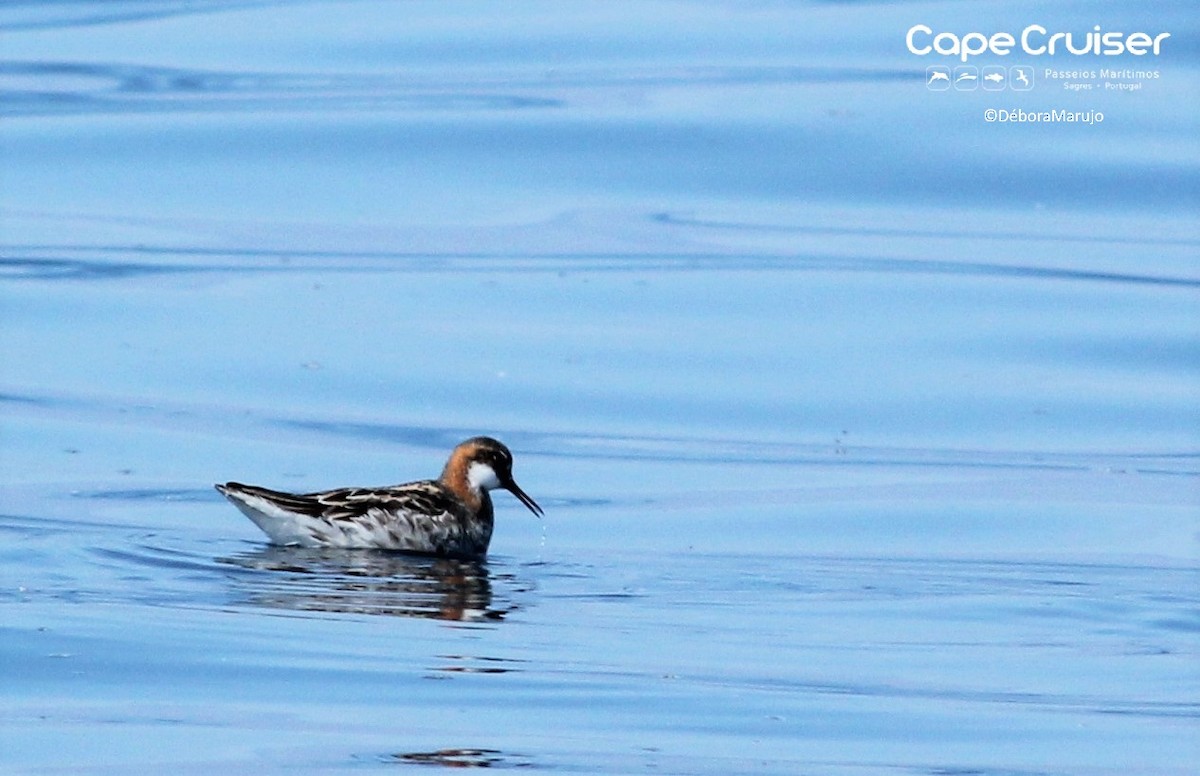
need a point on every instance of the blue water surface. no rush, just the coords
(867, 430)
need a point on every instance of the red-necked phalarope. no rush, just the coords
(450, 516)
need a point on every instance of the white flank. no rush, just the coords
(283, 527)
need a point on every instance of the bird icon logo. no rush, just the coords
(1021, 78)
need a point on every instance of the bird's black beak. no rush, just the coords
(512, 487)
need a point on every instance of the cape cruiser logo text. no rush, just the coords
(1035, 40)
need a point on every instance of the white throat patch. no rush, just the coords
(480, 476)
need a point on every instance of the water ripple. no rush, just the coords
(940, 233)
(55, 88)
(54, 15)
(133, 411)
(67, 262)
(741, 451)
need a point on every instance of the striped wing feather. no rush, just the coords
(424, 498)
(420, 498)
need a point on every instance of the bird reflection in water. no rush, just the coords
(368, 582)
(463, 758)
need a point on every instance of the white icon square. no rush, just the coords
(1020, 78)
(995, 78)
(966, 78)
(937, 78)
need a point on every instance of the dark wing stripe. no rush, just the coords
(424, 498)
(304, 505)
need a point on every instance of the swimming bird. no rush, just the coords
(450, 516)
